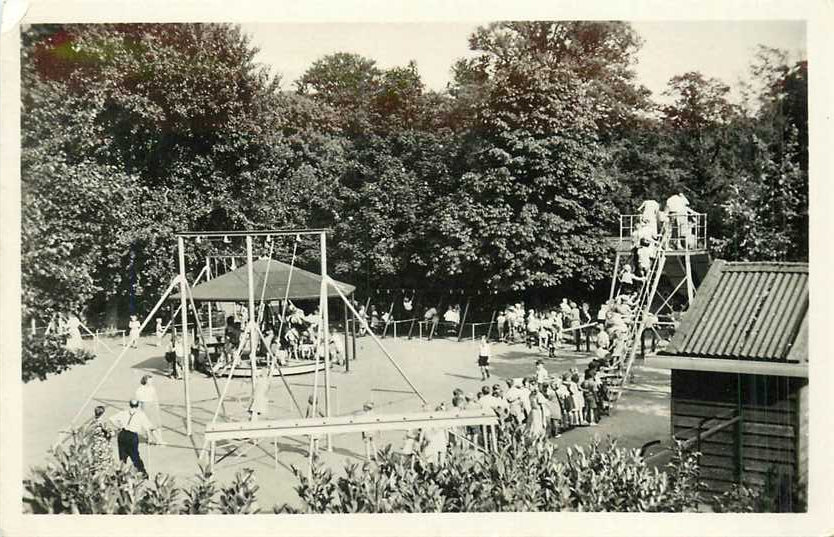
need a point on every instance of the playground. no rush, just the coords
(224, 410)
(435, 367)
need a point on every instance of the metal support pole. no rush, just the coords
(690, 284)
(352, 333)
(253, 336)
(377, 341)
(491, 321)
(463, 320)
(347, 341)
(616, 270)
(210, 304)
(325, 333)
(186, 352)
(125, 350)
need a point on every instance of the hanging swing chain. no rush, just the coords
(266, 279)
(284, 306)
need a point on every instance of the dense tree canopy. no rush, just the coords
(507, 181)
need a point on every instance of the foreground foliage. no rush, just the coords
(68, 485)
(524, 475)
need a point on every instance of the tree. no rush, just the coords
(601, 55)
(346, 82)
(148, 129)
(534, 203)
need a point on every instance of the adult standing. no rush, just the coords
(159, 332)
(134, 326)
(575, 323)
(131, 423)
(172, 352)
(585, 320)
(436, 442)
(501, 320)
(649, 211)
(149, 404)
(73, 327)
(100, 436)
(678, 208)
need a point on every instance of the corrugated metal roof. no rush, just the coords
(752, 311)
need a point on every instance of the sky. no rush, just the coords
(720, 49)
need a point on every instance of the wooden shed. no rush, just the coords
(739, 364)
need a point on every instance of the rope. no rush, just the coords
(280, 332)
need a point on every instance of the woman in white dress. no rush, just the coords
(134, 326)
(149, 404)
(74, 340)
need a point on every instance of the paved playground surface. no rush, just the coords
(435, 367)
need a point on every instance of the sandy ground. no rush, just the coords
(435, 367)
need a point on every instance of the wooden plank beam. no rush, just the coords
(721, 365)
(347, 424)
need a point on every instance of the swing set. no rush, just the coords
(249, 431)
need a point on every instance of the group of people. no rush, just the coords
(141, 418)
(546, 328)
(646, 233)
(300, 339)
(543, 404)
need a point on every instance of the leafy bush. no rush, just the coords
(239, 498)
(778, 494)
(524, 475)
(69, 485)
(47, 354)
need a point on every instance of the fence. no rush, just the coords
(688, 231)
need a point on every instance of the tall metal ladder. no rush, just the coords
(641, 313)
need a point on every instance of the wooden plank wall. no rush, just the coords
(802, 436)
(769, 432)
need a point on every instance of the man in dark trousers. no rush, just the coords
(130, 423)
(585, 319)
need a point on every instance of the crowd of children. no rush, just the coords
(545, 404)
(547, 328)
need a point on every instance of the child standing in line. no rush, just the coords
(578, 400)
(589, 392)
(555, 413)
(368, 437)
(501, 319)
(541, 372)
(536, 418)
(565, 401)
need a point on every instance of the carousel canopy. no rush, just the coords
(234, 286)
